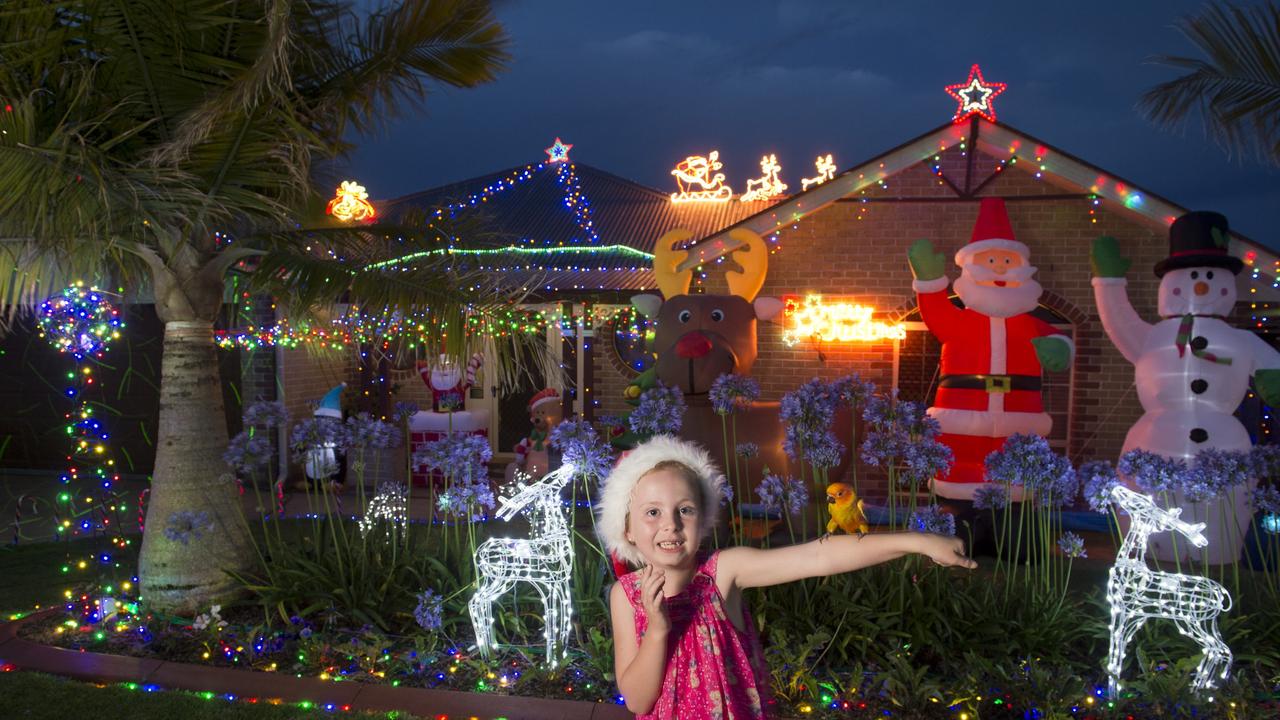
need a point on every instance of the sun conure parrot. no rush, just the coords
(845, 509)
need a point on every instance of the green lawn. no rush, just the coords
(33, 573)
(31, 696)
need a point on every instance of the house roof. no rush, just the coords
(566, 226)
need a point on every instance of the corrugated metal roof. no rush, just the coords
(528, 207)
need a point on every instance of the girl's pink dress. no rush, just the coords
(714, 671)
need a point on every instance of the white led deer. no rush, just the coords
(1137, 593)
(544, 560)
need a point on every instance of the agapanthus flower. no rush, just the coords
(726, 494)
(1072, 545)
(808, 412)
(932, 519)
(429, 613)
(923, 460)
(852, 390)
(247, 452)
(660, 412)
(463, 457)
(825, 452)
(581, 447)
(1099, 477)
(316, 432)
(1152, 473)
(403, 411)
(1266, 499)
(187, 525)
(450, 401)
(747, 450)
(266, 414)
(778, 492)
(1266, 461)
(990, 496)
(366, 432)
(1028, 461)
(467, 500)
(732, 393)
(1214, 472)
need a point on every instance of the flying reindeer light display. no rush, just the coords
(1137, 593)
(544, 560)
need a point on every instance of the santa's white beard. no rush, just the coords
(997, 301)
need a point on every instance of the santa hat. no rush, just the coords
(331, 403)
(544, 396)
(992, 231)
(615, 497)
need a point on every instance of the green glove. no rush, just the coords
(1054, 353)
(1106, 260)
(925, 263)
(1267, 383)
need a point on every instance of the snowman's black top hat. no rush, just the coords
(1199, 239)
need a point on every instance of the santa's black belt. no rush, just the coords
(990, 383)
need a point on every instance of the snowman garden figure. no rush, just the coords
(1191, 368)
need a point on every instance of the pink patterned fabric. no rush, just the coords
(714, 671)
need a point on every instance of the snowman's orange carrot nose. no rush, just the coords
(1201, 288)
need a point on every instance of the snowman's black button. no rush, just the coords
(1199, 386)
(1199, 435)
(1199, 343)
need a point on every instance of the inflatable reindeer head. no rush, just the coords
(699, 337)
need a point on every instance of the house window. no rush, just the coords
(917, 372)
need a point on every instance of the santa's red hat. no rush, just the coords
(544, 396)
(992, 231)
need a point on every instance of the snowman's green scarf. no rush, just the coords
(1184, 335)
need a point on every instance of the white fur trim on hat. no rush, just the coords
(615, 496)
(968, 251)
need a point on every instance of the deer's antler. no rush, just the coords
(754, 262)
(666, 260)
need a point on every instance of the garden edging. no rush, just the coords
(99, 667)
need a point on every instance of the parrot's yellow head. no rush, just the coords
(841, 495)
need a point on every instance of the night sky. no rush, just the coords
(638, 86)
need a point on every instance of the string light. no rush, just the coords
(826, 170)
(390, 504)
(768, 185)
(1137, 593)
(544, 560)
(698, 180)
(975, 96)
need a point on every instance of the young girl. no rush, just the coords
(684, 644)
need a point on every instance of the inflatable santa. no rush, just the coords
(993, 350)
(1192, 369)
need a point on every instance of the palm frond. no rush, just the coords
(1235, 88)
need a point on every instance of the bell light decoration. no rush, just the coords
(544, 560)
(1138, 594)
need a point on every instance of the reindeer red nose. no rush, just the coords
(693, 345)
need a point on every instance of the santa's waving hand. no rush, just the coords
(993, 350)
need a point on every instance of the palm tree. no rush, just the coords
(132, 130)
(1236, 89)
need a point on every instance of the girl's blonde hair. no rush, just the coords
(663, 452)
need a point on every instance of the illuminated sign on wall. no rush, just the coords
(812, 319)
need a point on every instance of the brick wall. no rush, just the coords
(856, 251)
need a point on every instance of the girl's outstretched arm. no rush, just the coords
(639, 664)
(832, 554)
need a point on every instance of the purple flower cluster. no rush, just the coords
(316, 432)
(265, 414)
(809, 412)
(931, 519)
(1028, 461)
(733, 393)
(1215, 472)
(462, 457)
(465, 500)
(450, 401)
(1266, 499)
(777, 492)
(187, 525)
(1072, 545)
(581, 447)
(1151, 472)
(429, 614)
(726, 494)
(403, 411)
(853, 391)
(660, 412)
(1098, 477)
(247, 452)
(990, 497)
(1266, 461)
(901, 435)
(365, 432)
(747, 450)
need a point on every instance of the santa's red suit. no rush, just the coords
(989, 384)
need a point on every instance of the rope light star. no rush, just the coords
(975, 96)
(558, 152)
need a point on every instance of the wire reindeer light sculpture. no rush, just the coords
(544, 560)
(1137, 593)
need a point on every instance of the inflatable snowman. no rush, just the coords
(1191, 368)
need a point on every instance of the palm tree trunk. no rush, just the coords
(190, 475)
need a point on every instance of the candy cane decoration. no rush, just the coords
(475, 363)
(142, 508)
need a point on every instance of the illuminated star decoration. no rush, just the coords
(559, 152)
(975, 96)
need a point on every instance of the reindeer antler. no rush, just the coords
(755, 265)
(666, 260)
